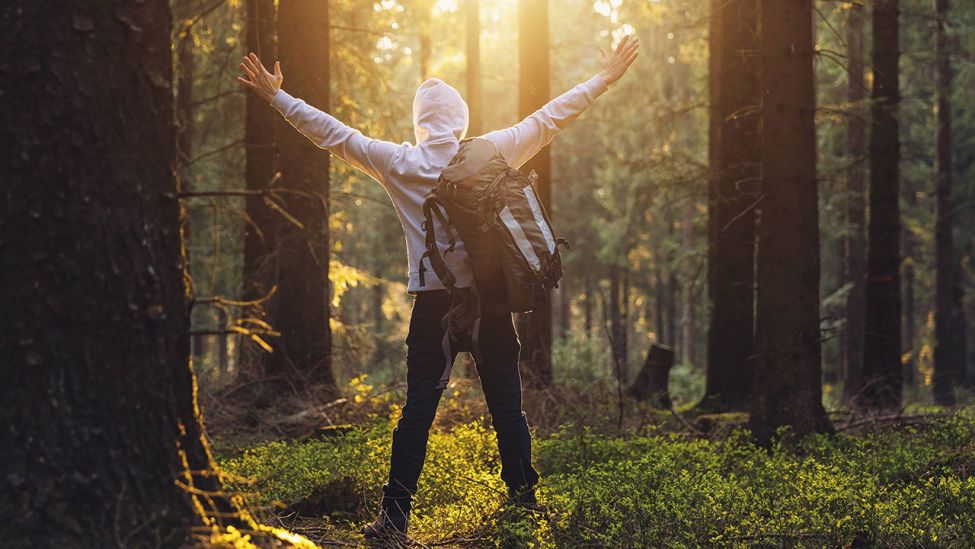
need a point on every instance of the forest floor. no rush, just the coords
(666, 478)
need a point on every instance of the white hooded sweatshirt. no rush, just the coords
(409, 172)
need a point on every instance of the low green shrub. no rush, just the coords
(901, 487)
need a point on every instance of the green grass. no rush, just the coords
(904, 486)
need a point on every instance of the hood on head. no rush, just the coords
(438, 111)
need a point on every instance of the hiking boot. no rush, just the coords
(524, 498)
(388, 529)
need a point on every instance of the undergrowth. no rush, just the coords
(901, 486)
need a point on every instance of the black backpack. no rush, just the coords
(512, 249)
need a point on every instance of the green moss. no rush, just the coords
(902, 487)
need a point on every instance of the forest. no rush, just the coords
(764, 334)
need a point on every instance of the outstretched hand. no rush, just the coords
(259, 79)
(615, 66)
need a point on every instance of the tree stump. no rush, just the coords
(651, 383)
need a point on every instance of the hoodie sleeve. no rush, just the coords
(522, 141)
(371, 156)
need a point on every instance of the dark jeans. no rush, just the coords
(500, 380)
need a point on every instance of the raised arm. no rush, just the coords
(522, 141)
(371, 156)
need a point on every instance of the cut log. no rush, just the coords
(651, 383)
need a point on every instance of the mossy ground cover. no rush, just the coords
(897, 486)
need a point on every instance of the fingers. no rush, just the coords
(247, 83)
(630, 46)
(622, 44)
(248, 71)
(257, 63)
(277, 70)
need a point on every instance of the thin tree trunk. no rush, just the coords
(687, 296)
(787, 370)
(856, 240)
(625, 320)
(908, 328)
(259, 270)
(616, 316)
(882, 370)
(302, 309)
(734, 157)
(535, 328)
(101, 433)
(587, 304)
(673, 290)
(473, 13)
(426, 13)
(949, 358)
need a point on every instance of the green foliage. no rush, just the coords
(901, 487)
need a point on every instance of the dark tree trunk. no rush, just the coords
(882, 370)
(734, 158)
(535, 328)
(787, 369)
(472, 10)
(949, 356)
(908, 328)
(101, 427)
(673, 289)
(259, 272)
(659, 290)
(855, 251)
(301, 311)
(587, 305)
(688, 243)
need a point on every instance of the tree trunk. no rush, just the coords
(260, 266)
(787, 369)
(617, 343)
(882, 371)
(734, 157)
(101, 429)
(425, 49)
(625, 318)
(687, 296)
(301, 311)
(856, 241)
(535, 328)
(587, 304)
(673, 289)
(908, 328)
(473, 13)
(949, 359)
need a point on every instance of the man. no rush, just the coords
(409, 172)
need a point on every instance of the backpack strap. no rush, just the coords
(434, 208)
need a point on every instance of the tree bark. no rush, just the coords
(472, 10)
(687, 296)
(734, 158)
(535, 328)
(260, 266)
(101, 428)
(855, 251)
(949, 356)
(301, 311)
(882, 370)
(787, 370)
(616, 329)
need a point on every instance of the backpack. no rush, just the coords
(510, 243)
